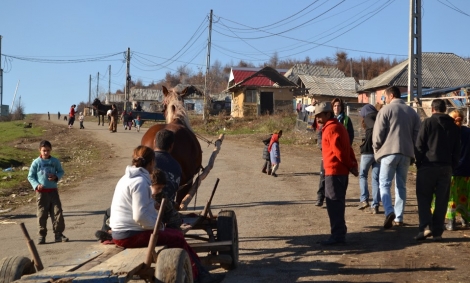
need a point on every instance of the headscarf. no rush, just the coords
(367, 109)
(274, 138)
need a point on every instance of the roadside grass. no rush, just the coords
(15, 152)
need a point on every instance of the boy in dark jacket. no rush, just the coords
(267, 159)
(437, 153)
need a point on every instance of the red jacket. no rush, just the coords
(72, 112)
(338, 155)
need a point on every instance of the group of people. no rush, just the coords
(127, 118)
(394, 139)
(272, 154)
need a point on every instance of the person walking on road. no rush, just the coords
(80, 119)
(114, 118)
(72, 116)
(437, 153)
(266, 169)
(339, 160)
(275, 151)
(58, 115)
(369, 114)
(394, 135)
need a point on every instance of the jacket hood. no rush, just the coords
(367, 109)
(443, 120)
(369, 120)
(133, 172)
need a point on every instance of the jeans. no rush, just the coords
(321, 185)
(367, 161)
(394, 165)
(335, 192)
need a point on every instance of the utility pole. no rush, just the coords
(128, 79)
(208, 64)
(109, 82)
(362, 68)
(414, 51)
(97, 84)
(350, 66)
(89, 91)
(1, 79)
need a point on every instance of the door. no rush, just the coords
(266, 102)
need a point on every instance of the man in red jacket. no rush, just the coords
(338, 161)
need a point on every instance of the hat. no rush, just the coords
(367, 109)
(323, 107)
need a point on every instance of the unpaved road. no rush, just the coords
(279, 227)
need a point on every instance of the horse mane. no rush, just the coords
(175, 110)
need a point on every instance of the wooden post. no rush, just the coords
(187, 199)
(32, 249)
(153, 239)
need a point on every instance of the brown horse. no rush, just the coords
(186, 150)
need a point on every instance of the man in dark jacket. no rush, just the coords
(437, 152)
(369, 114)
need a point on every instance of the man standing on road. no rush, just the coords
(394, 135)
(114, 117)
(437, 154)
(339, 160)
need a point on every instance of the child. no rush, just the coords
(137, 123)
(274, 151)
(171, 217)
(130, 119)
(266, 157)
(44, 173)
(80, 118)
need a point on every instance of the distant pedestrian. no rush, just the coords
(80, 119)
(114, 118)
(266, 157)
(72, 116)
(459, 198)
(137, 123)
(437, 153)
(48, 115)
(130, 120)
(394, 135)
(125, 119)
(58, 115)
(44, 173)
(339, 160)
(275, 151)
(368, 114)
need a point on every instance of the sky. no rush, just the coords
(49, 49)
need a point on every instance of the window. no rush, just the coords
(250, 96)
(190, 106)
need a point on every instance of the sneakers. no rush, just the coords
(388, 223)
(41, 240)
(103, 236)
(374, 210)
(61, 238)
(274, 174)
(450, 225)
(363, 205)
(423, 235)
(437, 238)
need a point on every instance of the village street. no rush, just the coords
(279, 226)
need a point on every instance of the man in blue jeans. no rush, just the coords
(394, 135)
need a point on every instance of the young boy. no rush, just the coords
(137, 123)
(81, 118)
(44, 173)
(171, 217)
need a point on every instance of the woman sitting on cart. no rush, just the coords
(133, 214)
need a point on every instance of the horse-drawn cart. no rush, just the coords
(109, 263)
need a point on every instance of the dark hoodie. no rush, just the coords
(438, 142)
(369, 114)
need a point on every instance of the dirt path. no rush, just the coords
(279, 227)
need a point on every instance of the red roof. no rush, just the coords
(241, 74)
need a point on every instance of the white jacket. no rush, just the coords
(133, 208)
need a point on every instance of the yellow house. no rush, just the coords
(260, 91)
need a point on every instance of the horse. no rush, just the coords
(186, 149)
(102, 109)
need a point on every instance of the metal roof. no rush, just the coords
(341, 87)
(439, 70)
(146, 94)
(239, 74)
(312, 70)
(264, 77)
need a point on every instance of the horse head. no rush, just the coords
(173, 107)
(96, 102)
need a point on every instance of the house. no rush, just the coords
(326, 89)
(149, 100)
(193, 97)
(259, 91)
(320, 72)
(439, 70)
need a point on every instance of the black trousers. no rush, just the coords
(335, 192)
(321, 185)
(432, 181)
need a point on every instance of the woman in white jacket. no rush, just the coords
(133, 213)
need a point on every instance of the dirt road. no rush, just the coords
(279, 227)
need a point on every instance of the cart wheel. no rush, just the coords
(227, 230)
(173, 266)
(12, 268)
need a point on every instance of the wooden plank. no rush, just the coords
(60, 275)
(211, 247)
(109, 251)
(75, 262)
(128, 261)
